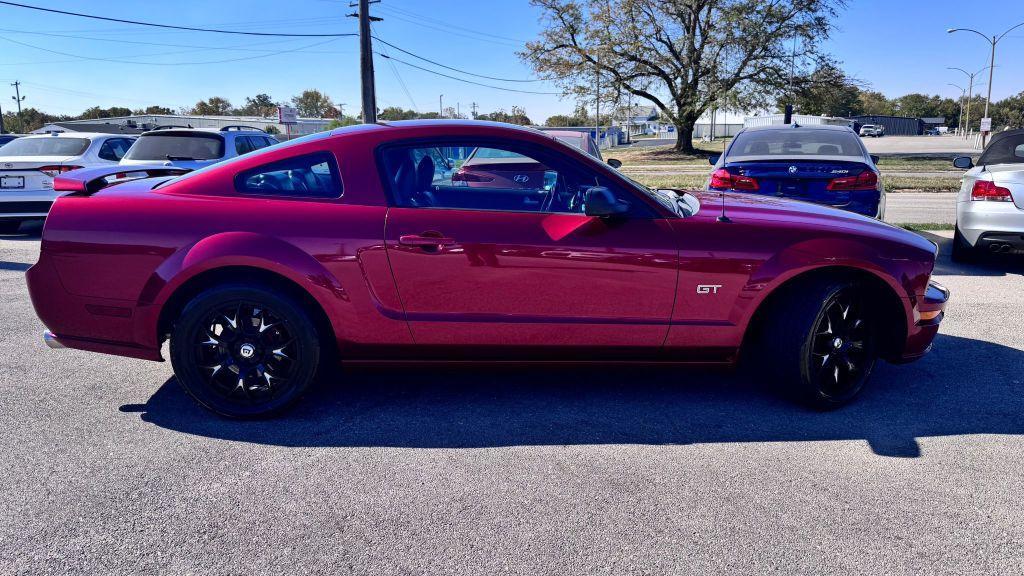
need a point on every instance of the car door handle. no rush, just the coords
(425, 240)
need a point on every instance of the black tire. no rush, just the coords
(264, 342)
(10, 226)
(962, 251)
(815, 352)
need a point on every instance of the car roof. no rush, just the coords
(781, 127)
(567, 133)
(441, 128)
(87, 135)
(249, 132)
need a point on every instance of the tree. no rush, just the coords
(30, 119)
(261, 105)
(314, 104)
(875, 104)
(215, 106)
(684, 56)
(516, 116)
(396, 113)
(827, 91)
(154, 110)
(1009, 112)
(341, 122)
(96, 112)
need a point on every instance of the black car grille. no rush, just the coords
(24, 207)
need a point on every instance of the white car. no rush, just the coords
(990, 204)
(194, 148)
(29, 164)
(873, 130)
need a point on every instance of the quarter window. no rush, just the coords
(114, 149)
(313, 175)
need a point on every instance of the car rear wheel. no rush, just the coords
(962, 251)
(244, 351)
(820, 343)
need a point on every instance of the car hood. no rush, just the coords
(797, 214)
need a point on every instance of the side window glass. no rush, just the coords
(243, 145)
(313, 175)
(479, 178)
(107, 151)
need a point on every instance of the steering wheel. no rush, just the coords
(265, 182)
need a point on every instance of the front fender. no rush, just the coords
(230, 249)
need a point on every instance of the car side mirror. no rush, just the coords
(714, 158)
(615, 163)
(602, 203)
(963, 162)
(875, 159)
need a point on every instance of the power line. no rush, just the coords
(467, 73)
(170, 26)
(117, 61)
(237, 48)
(435, 72)
(420, 19)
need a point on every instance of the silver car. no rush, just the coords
(990, 204)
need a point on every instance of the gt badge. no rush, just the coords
(708, 288)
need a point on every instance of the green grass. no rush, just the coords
(680, 181)
(921, 184)
(926, 226)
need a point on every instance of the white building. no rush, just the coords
(150, 121)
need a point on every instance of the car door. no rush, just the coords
(515, 262)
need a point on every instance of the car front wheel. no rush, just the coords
(821, 343)
(244, 351)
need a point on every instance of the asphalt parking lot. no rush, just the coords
(107, 467)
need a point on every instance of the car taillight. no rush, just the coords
(470, 177)
(722, 179)
(988, 191)
(53, 171)
(866, 180)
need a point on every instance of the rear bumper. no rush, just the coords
(15, 204)
(983, 224)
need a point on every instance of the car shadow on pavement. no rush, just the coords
(994, 265)
(964, 386)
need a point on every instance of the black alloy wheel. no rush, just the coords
(244, 352)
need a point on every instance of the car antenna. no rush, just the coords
(722, 217)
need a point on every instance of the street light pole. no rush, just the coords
(970, 93)
(991, 63)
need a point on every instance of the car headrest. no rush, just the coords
(828, 150)
(758, 148)
(424, 174)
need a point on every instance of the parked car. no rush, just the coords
(822, 164)
(195, 147)
(350, 244)
(29, 164)
(933, 132)
(872, 130)
(5, 138)
(990, 204)
(581, 140)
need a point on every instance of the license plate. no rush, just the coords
(12, 181)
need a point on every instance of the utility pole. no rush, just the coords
(2, 120)
(474, 107)
(19, 99)
(341, 110)
(366, 59)
(597, 101)
(458, 109)
(440, 106)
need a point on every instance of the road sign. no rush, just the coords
(287, 115)
(986, 124)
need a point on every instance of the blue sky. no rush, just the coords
(896, 46)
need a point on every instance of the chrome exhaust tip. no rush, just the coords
(51, 340)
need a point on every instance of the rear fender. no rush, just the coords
(231, 249)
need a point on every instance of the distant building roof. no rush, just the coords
(96, 127)
(934, 120)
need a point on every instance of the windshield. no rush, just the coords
(45, 146)
(1008, 149)
(795, 142)
(190, 146)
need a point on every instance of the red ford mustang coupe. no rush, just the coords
(360, 245)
